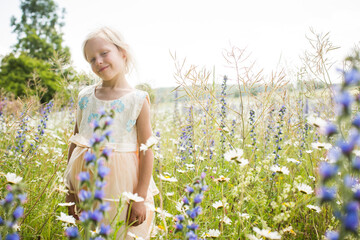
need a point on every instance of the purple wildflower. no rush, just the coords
(89, 157)
(84, 177)
(96, 216)
(18, 212)
(327, 194)
(105, 230)
(193, 226)
(72, 232)
(198, 198)
(99, 194)
(352, 77)
(327, 170)
(351, 220)
(332, 235)
(12, 236)
(102, 171)
(84, 195)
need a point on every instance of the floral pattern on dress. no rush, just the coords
(118, 106)
(83, 102)
(93, 116)
(130, 124)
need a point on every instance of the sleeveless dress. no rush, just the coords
(124, 160)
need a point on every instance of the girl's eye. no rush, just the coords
(104, 53)
(92, 60)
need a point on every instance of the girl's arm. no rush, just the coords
(138, 209)
(72, 145)
(146, 160)
(70, 197)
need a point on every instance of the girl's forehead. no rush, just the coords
(98, 43)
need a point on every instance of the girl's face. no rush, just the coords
(106, 60)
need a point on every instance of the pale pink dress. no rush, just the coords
(124, 161)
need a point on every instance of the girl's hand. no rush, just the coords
(137, 213)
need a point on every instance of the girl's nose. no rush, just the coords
(99, 61)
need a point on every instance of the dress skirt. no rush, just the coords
(123, 177)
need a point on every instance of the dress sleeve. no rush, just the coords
(142, 96)
(83, 101)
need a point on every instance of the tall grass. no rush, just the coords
(256, 188)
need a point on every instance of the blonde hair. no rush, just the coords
(114, 37)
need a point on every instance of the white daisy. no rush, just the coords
(133, 197)
(68, 204)
(278, 169)
(288, 229)
(12, 178)
(181, 171)
(244, 215)
(134, 236)
(314, 208)
(212, 233)
(234, 154)
(312, 178)
(227, 220)
(66, 218)
(167, 178)
(267, 233)
(305, 188)
(218, 204)
(61, 188)
(151, 141)
(292, 160)
(319, 145)
(222, 179)
(252, 237)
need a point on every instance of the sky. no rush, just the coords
(272, 31)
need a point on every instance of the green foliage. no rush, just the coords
(32, 68)
(147, 88)
(38, 29)
(19, 75)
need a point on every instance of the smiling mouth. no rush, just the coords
(102, 69)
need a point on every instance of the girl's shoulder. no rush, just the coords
(141, 95)
(86, 91)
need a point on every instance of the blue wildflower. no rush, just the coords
(104, 230)
(327, 170)
(104, 207)
(84, 195)
(103, 171)
(12, 236)
(189, 189)
(89, 157)
(351, 220)
(352, 77)
(106, 152)
(84, 216)
(99, 194)
(185, 201)
(193, 226)
(178, 227)
(332, 235)
(84, 177)
(72, 232)
(327, 194)
(96, 216)
(18, 212)
(356, 163)
(180, 218)
(198, 198)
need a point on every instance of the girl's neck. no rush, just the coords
(117, 83)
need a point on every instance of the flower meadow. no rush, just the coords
(278, 160)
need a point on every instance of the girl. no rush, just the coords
(110, 59)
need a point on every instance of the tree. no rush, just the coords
(39, 39)
(39, 29)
